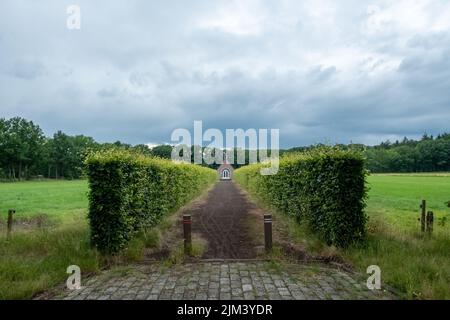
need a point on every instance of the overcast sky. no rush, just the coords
(320, 71)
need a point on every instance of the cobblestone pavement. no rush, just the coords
(224, 281)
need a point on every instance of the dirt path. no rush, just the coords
(224, 220)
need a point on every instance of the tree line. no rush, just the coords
(25, 152)
(428, 154)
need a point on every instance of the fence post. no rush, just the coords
(430, 219)
(423, 206)
(268, 232)
(9, 223)
(187, 233)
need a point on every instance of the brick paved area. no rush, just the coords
(224, 281)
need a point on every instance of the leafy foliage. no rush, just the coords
(429, 154)
(20, 142)
(324, 188)
(129, 191)
(25, 152)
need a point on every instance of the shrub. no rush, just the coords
(324, 188)
(129, 192)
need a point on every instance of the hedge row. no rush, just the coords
(324, 188)
(130, 191)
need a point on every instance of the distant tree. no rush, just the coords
(67, 154)
(21, 144)
(163, 151)
(143, 149)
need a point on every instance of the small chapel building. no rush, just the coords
(225, 171)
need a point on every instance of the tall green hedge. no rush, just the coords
(130, 191)
(324, 188)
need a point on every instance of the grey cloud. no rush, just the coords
(107, 92)
(138, 70)
(27, 69)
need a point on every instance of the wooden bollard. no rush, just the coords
(423, 206)
(187, 233)
(9, 223)
(430, 219)
(268, 232)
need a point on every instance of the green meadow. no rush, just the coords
(397, 197)
(416, 265)
(60, 201)
(49, 234)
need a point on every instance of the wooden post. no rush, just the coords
(268, 232)
(9, 223)
(423, 206)
(187, 233)
(430, 219)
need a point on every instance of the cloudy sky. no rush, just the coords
(320, 71)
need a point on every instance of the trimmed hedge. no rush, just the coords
(324, 188)
(130, 191)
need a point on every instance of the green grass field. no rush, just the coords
(61, 201)
(413, 263)
(398, 197)
(36, 258)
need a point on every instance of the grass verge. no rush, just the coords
(35, 259)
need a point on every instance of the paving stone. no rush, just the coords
(284, 292)
(225, 288)
(179, 289)
(189, 295)
(192, 285)
(279, 283)
(247, 287)
(236, 292)
(225, 296)
(226, 280)
(201, 296)
(234, 277)
(177, 296)
(249, 296)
